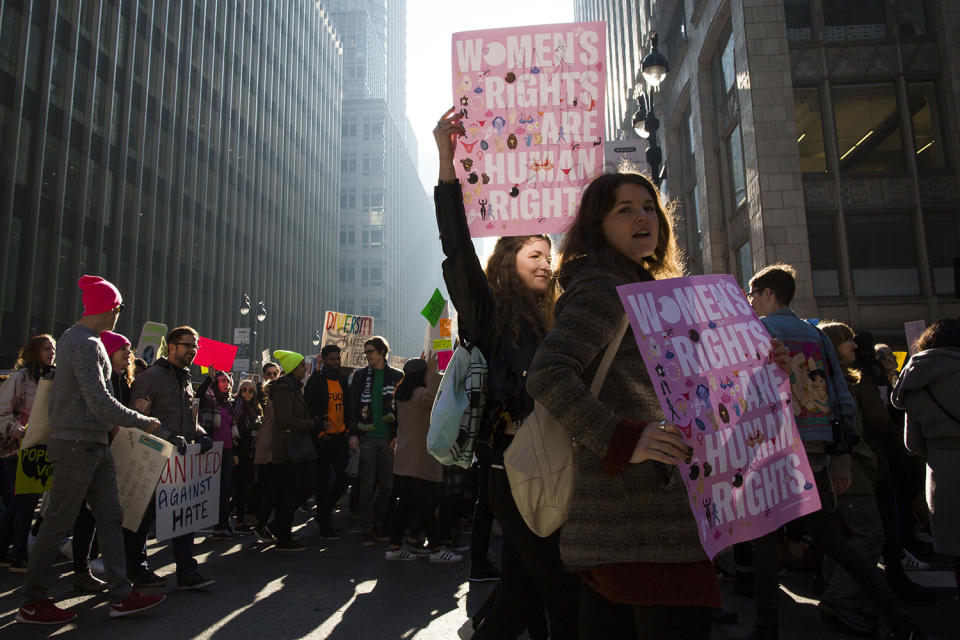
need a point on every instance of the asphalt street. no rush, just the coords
(343, 591)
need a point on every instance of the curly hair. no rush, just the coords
(515, 302)
(585, 237)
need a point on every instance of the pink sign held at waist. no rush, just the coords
(707, 354)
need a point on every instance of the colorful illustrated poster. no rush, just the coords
(139, 458)
(348, 332)
(532, 99)
(707, 355)
(188, 495)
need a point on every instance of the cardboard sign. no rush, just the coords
(913, 329)
(348, 332)
(34, 470)
(153, 341)
(533, 104)
(707, 354)
(139, 458)
(217, 355)
(241, 338)
(188, 495)
(434, 308)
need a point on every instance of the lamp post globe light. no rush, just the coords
(653, 68)
(316, 338)
(260, 317)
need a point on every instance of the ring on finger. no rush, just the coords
(662, 426)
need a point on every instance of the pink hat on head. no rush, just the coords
(99, 296)
(113, 341)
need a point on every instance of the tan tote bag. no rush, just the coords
(542, 461)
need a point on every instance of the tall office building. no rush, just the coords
(816, 132)
(389, 253)
(185, 150)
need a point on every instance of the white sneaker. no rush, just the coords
(66, 548)
(398, 554)
(911, 563)
(96, 567)
(444, 555)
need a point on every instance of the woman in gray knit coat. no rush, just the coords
(631, 536)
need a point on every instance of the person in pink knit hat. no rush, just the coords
(83, 414)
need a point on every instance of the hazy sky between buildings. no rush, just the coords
(430, 25)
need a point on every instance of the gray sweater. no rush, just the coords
(642, 513)
(84, 407)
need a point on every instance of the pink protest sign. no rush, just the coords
(218, 355)
(708, 358)
(532, 99)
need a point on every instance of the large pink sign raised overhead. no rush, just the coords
(532, 99)
(707, 354)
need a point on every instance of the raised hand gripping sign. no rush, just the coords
(532, 103)
(707, 354)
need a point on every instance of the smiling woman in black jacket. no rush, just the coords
(505, 312)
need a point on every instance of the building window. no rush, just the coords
(348, 199)
(348, 236)
(806, 107)
(738, 180)
(868, 128)
(348, 164)
(913, 18)
(941, 249)
(373, 165)
(728, 66)
(10, 40)
(850, 20)
(371, 276)
(348, 128)
(744, 264)
(927, 134)
(824, 263)
(372, 130)
(799, 23)
(372, 237)
(883, 255)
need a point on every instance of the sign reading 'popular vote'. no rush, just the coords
(707, 354)
(532, 105)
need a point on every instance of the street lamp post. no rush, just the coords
(654, 68)
(259, 318)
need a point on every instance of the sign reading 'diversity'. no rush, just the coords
(532, 103)
(349, 333)
(188, 495)
(707, 354)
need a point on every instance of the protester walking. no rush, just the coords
(17, 393)
(373, 430)
(216, 416)
(84, 413)
(927, 390)
(505, 312)
(327, 393)
(814, 361)
(248, 417)
(164, 390)
(294, 455)
(630, 536)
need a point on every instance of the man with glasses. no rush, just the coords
(373, 427)
(812, 355)
(84, 413)
(327, 394)
(165, 392)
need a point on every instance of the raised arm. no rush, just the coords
(466, 282)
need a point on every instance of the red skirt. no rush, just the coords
(690, 584)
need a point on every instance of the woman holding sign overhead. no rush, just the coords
(505, 311)
(631, 535)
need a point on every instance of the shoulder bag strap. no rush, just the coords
(608, 356)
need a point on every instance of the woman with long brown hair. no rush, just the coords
(505, 312)
(16, 401)
(631, 536)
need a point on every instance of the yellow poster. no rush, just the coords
(34, 470)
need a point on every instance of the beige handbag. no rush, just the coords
(542, 461)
